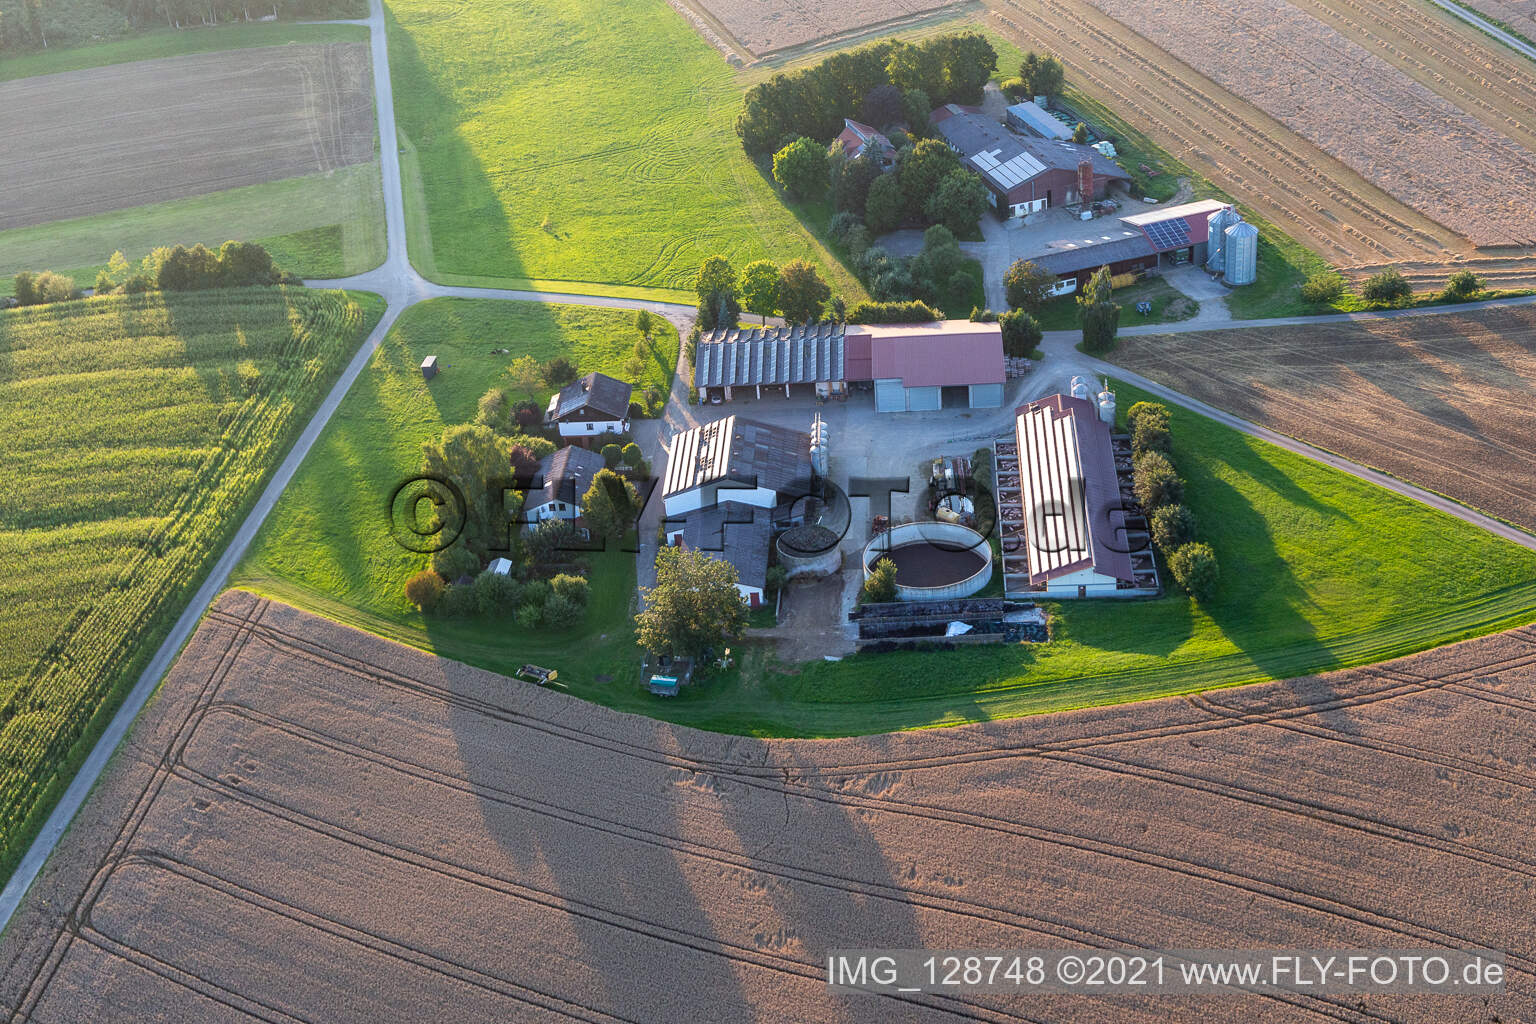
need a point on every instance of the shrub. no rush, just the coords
(1151, 435)
(892, 313)
(51, 287)
(1013, 88)
(551, 537)
(841, 224)
(1387, 288)
(570, 587)
(1173, 526)
(495, 594)
(1462, 286)
(1194, 569)
(611, 454)
(881, 584)
(495, 411)
(561, 371)
(800, 168)
(24, 287)
(1156, 482)
(458, 602)
(1134, 414)
(1323, 289)
(527, 414)
(983, 316)
(633, 457)
(562, 613)
(1021, 334)
(104, 283)
(454, 562)
(777, 577)
(529, 616)
(424, 590)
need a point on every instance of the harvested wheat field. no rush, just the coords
(767, 26)
(130, 134)
(1441, 401)
(1519, 15)
(314, 824)
(1357, 106)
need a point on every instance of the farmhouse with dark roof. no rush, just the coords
(596, 404)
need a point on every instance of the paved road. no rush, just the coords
(401, 286)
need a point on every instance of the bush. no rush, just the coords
(1151, 435)
(881, 584)
(1173, 526)
(1155, 410)
(841, 224)
(1388, 288)
(562, 613)
(777, 578)
(570, 587)
(1323, 289)
(1156, 482)
(455, 562)
(1462, 286)
(892, 313)
(458, 602)
(1013, 88)
(633, 457)
(983, 316)
(1195, 571)
(800, 168)
(529, 616)
(527, 414)
(885, 206)
(1021, 334)
(53, 287)
(561, 371)
(24, 287)
(495, 594)
(424, 590)
(104, 285)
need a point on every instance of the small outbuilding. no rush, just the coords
(500, 567)
(429, 368)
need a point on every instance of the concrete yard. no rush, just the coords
(312, 823)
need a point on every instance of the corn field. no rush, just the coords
(135, 430)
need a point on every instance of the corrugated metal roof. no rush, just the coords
(943, 354)
(741, 451)
(1040, 120)
(769, 356)
(1091, 254)
(1069, 492)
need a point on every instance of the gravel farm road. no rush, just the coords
(401, 287)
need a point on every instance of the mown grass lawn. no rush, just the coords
(1064, 314)
(317, 225)
(327, 545)
(577, 143)
(138, 430)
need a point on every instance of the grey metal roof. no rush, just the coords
(1039, 120)
(1090, 257)
(565, 476)
(740, 451)
(773, 356)
(1005, 159)
(736, 532)
(596, 391)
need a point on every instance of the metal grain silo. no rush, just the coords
(1242, 253)
(1218, 223)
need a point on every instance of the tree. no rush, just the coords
(611, 454)
(103, 284)
(916, 106)
(1021, 333)
(474, 459)
(610, 504)
(496, 594)
(916, 67)
(1173, 526)
(645, 323)
(527, 376)
(716, 276)
(117, 267)
(495, 411)
(633, 457)
(1042, 75)
(560, 372)
(803, 294)
(1323, 288)
(454, 562)
(882, 106)
(24, 288)
(1080, 133)
(880, 585)
(851, 180)
(424, 589)
(1194, 569)
(1101, 316)
(1156, 482)
(549, 538)
(1150, 434)
(920, 169)
(51, 287)
(885, 206)
(245, 263)
(968, 61)
(1461, 286)
(959, 202)
(1027, 285)
(562, 613)
(181, 269)
(760, 288)
(800, 168)
(1387, 288)
(693, 607)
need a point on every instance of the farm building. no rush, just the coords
(727, 360)
(596, 404)
(737, 460)
(857, 139)
(1060, 498)
(910, 366)
(1138, 243)
(735, 532)
(1025, 175)
(563, 479)
(1031, 117)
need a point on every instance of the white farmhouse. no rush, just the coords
(594, 405)
(563, 479)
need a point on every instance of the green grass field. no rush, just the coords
(544, 148)
(166, 42)
(139, 429)
(333, 556)
(318, 226)
(1063, 314)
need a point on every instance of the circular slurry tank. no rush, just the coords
(934, 561)
(810, 551)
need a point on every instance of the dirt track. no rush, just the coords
(1288, 180)
(1441, 401)
(314, 824)
(129, 134)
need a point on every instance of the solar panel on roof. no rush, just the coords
(1168, 234)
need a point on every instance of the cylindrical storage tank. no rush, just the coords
(1107, 406)
(1242, 253)
(935, 561)
(1082, 388)
(809, 551)
(1218, 223)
